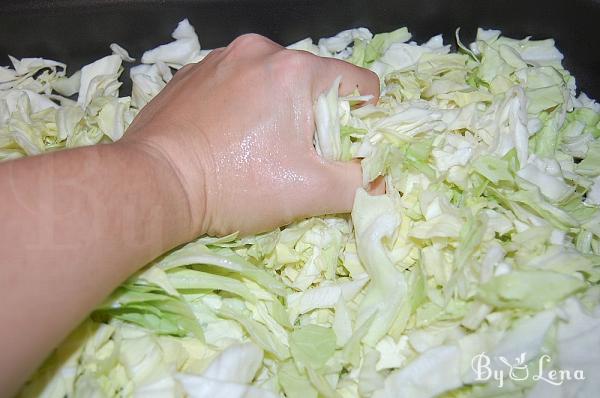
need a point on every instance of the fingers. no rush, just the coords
(342, 179)
(353, 77)
(377, 186)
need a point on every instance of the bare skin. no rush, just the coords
(227, 146)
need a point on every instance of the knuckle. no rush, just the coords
(290, 69)
(250, 42)
(295, 60)
(292, 64)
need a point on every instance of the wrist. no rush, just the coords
(174, 190)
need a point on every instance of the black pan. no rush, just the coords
(78, 31)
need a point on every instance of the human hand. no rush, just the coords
(237, 130)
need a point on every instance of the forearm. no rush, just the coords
(75, 225)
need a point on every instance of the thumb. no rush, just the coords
(343, 179)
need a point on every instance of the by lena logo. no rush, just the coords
(518, 370)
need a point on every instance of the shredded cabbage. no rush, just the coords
(487, 241)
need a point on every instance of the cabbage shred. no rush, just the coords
(487, 241)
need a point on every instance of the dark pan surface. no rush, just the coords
(79, 31)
